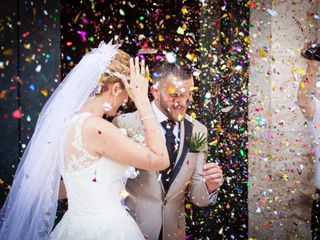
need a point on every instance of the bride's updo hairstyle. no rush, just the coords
(118, 69)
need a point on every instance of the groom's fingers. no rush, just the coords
(220, 181)
(213, 176)
(212, 171)
(211, 168)
(215, 179)
(210, 165)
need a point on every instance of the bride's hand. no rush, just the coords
(138, 86)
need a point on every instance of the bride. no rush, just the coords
(73, 140)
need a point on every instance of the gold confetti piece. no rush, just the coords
(184, 26)
(3, 94)
(213, 143)
(286, 142)
(285, 177)
(8, 52)
(301, 71)
(224, 15)
(27, 46)
(262, 53)
(184, 10)
(191, 57)
(44, 92)
(77, 17)
(171, 90)
(160, 38)
(124, 193)
(28, 59)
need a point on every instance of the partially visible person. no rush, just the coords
(156, 198)
(72, 138)
(309, 102)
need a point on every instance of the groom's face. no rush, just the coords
(173, 95)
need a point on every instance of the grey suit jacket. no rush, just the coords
(149, 205)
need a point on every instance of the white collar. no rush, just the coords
(160, 116)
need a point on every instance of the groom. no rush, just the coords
(156, 199)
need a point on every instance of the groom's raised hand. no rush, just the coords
(213, 176)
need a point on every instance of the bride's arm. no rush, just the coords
(107, 140)
(62, 191)
(103, 138)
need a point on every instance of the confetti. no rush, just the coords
(107, 107)
(38, 68)
(171, 57)
(17, 114)
(272, 13)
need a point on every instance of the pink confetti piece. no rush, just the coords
(17, 114)
(83, 35)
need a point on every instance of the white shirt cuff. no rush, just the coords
(213, 195)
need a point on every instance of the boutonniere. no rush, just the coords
(197, 142)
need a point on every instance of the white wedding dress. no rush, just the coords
(95, 186)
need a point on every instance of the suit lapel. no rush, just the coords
(181, 139)
(160, 181)
(182, 150)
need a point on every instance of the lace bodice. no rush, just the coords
(78, 157)
(96, 190)
(92, 181)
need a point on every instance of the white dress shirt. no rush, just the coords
(160, 116)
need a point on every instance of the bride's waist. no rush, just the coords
(85, 208)
(92, 195)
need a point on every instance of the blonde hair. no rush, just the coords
(119, 66)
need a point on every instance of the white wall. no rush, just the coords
(280, 163)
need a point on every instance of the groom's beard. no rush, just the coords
(175, 111)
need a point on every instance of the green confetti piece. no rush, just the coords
(242, 152)
(122, 13)
(180, 31)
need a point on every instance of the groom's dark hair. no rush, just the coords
(180, 68)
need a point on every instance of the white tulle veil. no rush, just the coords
(30, 208)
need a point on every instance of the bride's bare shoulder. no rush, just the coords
(97, 124)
